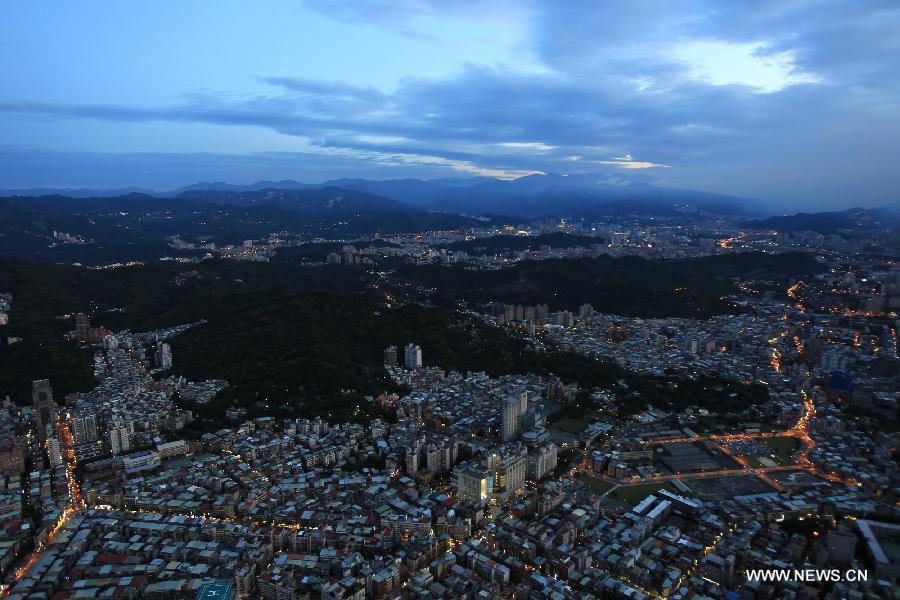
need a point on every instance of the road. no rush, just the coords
(800, 430)
(74, 504)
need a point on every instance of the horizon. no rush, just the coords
(789, 104)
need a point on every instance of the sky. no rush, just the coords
(790, 101)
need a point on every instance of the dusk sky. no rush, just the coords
(790, 102)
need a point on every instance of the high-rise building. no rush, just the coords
(541, 461)
(509, 424)
(54, 451)
(498, 477)
(472, 484)
(390, 356)
(84, 426)
(82, 327)
(511, 420)
(119, 438)
(412, 356)
(509, 467)
(413, 451)
(44, 406)
(164, 356)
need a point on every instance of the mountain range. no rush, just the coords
(852, 219)
(526, 197)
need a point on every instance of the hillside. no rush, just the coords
(135, 227)
(627, 286)
(853, 219)
(302, 340)
(319, 354)
(513, 243)
(331, 201)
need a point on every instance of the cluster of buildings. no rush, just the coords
(466, 487)
(734, 346)
(412, 356)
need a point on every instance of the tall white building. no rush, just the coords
(164, 356)
(511, 419)
(412, 356)
(119, 438)
(54, 451)
(413, 451)
(84, 426)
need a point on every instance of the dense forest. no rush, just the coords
(512, 243)
(320, 354)
(629, 286)
(309, 340)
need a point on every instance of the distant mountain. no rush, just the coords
(73, 192)
(532, 196)
(415, 192)
(221, 186)
(321, 201)
(551, 194)
(854, 219)
(135, 227)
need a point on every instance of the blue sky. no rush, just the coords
(790, 101)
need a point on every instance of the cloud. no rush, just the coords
(627, 162)
(333, 89)
(709, 94)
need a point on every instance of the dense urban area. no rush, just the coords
(679, 406)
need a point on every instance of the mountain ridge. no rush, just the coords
(528, 197)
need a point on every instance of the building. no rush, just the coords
(54, 451)
(514, 408)
(499, 476)
(718, 569)
(841, 545)
(541, 461)
(84, 426)
(140, 461)
(119, 439)
(44, 406)
(472, 485)
(169, 449)
(881, 542)
(412, 356)
(82, 327)
(217, 590)
(12, 459)
(390, 356)
(413, 450)
(164, 356)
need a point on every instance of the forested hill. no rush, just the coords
(628, 286)
(500, 243)
(304, 340)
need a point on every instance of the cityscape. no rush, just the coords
(476, 349)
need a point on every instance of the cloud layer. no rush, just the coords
(796, 102)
